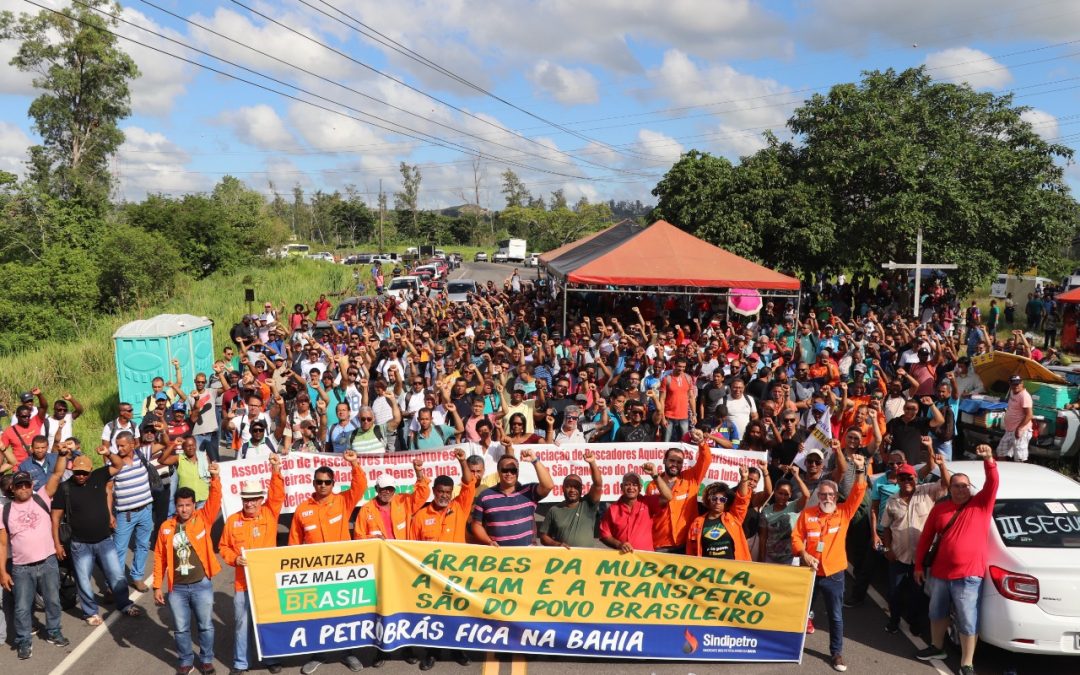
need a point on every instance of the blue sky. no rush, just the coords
(596, 97)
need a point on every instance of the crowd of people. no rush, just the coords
(492, 377)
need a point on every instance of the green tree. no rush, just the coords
(126, 281)
(692, 197)
(84, 77)
(407, 201)
(899, 151)
(514, 190)
(558, 200)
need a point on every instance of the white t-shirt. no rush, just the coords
(242, 425)
(49, 430)
(739, 411)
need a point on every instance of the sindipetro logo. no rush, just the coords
(691, 644)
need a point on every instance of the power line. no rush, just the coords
(368, 31)
(409, 133)
(370, 97)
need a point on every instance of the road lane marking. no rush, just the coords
(96, 634)
(491, 665)
(519, 666)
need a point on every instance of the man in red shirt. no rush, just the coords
(959, 526)
(322, 309)
(18, 437)
(627, 525)
(678, 397)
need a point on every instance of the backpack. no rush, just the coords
(115, 429)
(436, 428)
(247, 444)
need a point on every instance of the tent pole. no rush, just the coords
(565, 291)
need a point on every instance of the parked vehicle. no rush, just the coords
(499, 257)
(458, 290)
(1031, 593)
(406, 284)
(325, 256)
(480, 257)
(513, 250)
(533, 260)
(1019, 286)
(289, 250)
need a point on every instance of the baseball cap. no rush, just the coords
(519, 387)
(384, 481)
(21, 477)
(820, 407)
(860, 367)
(905, 469)
(26, 397)
(755, 357)
(82, 463)
(814, 451)
(1015, 379)
(161, 396)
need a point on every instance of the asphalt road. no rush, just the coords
(135, 646)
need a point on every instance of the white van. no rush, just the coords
(1019, 286)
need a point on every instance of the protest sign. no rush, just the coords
(582, 602)
(614, 460)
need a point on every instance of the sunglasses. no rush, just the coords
(319, 481)
(895, 463)
(814, 460)
(509, 469)
(20, 486)
(718, 498)
(367, 419)
(906, 479)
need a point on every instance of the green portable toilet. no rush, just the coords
(145, 350)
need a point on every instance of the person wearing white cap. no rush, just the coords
(388, 515)
(254, 526)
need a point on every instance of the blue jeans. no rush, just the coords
(208, 443)
(901, 583)
(103, 552)
(832, 589)
(963, 593)
(676, 429)
(197, 599)
(43, 577)
(244, 653)
(140, 526)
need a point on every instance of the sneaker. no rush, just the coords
(207, 668)
(184, 670)
(26, 650)
(310, 667)
(809, 626)
(892, 629)
(967, 670)
(932, 652)
(57, 639)
(838, 663)
(353, 663)
(427, 663)
(237, 671)
(274, 668)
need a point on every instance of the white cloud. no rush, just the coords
(658, 146)
(1042, 122)
(570, 86)
(163, 79)
(964, 64)
(150, 163)
(257, 125)
(13, 145)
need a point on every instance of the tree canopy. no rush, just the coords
(872, 162)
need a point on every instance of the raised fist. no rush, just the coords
(459, 454)
(649, 468)
(350, 457)
(418, 463)
(214, 469)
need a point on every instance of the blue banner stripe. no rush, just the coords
(639, 641)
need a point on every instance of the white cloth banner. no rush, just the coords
(614, 460)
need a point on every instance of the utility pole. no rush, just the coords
(918, 267)
(382, 212)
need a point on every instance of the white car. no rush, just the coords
(499, 257)
(533, 260)
(404, 286)
(1031, 592)
(322, 255)
(458, 290)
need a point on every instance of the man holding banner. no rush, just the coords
(388, 515)
(254, 526)
(324, 517)
(671, 523)
(573, 522)
(627, 524)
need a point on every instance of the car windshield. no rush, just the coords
(398, 284)
(460, 287)
(1038, 523)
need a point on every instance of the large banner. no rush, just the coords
(614, 460)
(582, 602)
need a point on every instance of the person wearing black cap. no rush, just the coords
(28, 423)
(26, 530)
(1018, 416)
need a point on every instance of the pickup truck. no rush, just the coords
(1057, 429)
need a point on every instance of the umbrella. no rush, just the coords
(1000, 366)
(745, 301)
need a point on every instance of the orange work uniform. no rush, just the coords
(370, 523)
(824, 535)
(315, 522)
(671, 523)
(242, 533)
(197, 529)
(447, 525)
(732, 518)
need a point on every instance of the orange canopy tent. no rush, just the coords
(628, 257)
(1071, 297)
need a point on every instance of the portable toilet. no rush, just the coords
(146, 348)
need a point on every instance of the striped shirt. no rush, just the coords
(508, 518)
(131, 486)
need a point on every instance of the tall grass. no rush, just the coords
(86, 368)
